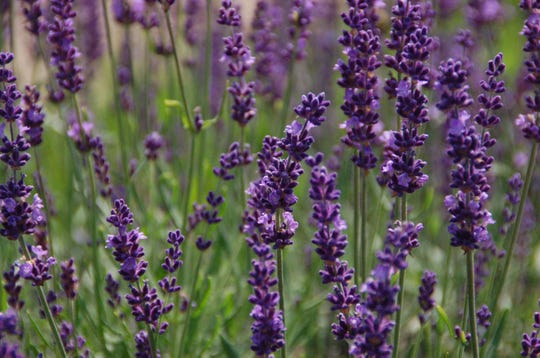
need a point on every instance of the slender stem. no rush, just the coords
(363, 238)
(188, 311)
(515, 229)
(208, 59)
(280, 288)
(116, 93)
(44, 304)
(43, 194)
(402, 216)
(288, 90)
(395, 350)
(472, 303)
(178, 70)
(12, 26)
(187, 196)
(356, 209)
(93, 234)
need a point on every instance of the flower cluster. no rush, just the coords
(17, 214)
(330, 242)
(370, 324)
(512, 198)
(530, 343)
(268, 327)
(409, 38)
(31, 117)
(126, 243)
(33, 14)
(9, 326)
(147, 307)
(37, 269)
(468, 151)
(61, 37)
(152, 144)
(269, 222)
(300, 16)
(235, 157)
(531, 30)
(12, 288)
(426, 302)
(358, 77)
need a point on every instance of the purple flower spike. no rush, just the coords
(68, 278)
(152, 144)
(61, 37)
(35, 24)
(426, 302)
(12, 288)
(37, 270)
(228, 15)
(32, 118)
(126, 244)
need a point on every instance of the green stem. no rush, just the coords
(178, 71)
(356, 209)
(395, 350)
(500, 279)
(44, 304)
(187, 196)
(43, 194)
(188, 311)
(208, 59)
(363, 238)
(116, 94)
(472, 303)
(288, 90)
(12, 26)
(280, 288)
(93, 235)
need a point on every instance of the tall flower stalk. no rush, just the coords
(528, 123)
(360, 106)
(17, 215)
(269, 222)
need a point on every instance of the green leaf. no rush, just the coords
(172, 103)
(444, 317)
(204, 300)
(228, 348)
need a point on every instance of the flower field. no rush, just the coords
(270, 178)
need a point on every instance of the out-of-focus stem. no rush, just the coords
(363, 238)
(116, 94)
(288, 90)
(395, 352)
(515, 229)
(43, 195)
(283, 351)
(189, 183)
(356, 214)
(188, 311)
(44, 304)
(178, 70)
(472, 303)
(12, 26)
(92, 226)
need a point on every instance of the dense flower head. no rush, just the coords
(372, 332)
(126, 244)
(37, 269)
(112, 287)
(268, 328)
(35, 24)
(228, 15)
(126, 12)
(101, 166)
(452, 82)
(491, 100)
(512, 198)
(61, 37)
(143, 348)
(147, 307)
(9, 95)
(172, 260)
(312, 108)
(530, 343)
(31, 117)
(361, 46)
(300, 16)
(235, 157)
(68, 278)
(12, 288)
(152, 144)
(73, 344)
(236, 55)
(426, 289)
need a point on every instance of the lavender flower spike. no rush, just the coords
(64, 53)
